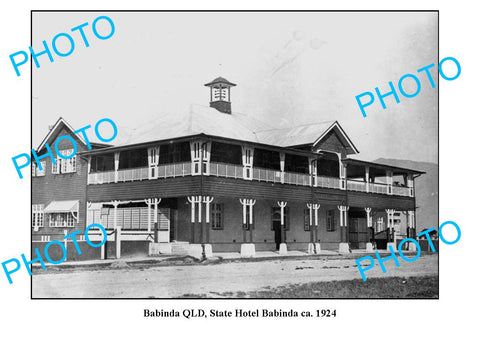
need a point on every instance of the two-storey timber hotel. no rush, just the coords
(214, 180)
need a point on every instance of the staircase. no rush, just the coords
(180, 248)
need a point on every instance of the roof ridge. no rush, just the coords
(296, 126)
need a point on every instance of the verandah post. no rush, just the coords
(344, 246)
(192, 201)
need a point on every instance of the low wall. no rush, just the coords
(55, 251)
(129, 249)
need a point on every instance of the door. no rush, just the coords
(358, 234)
(277, 228)
(163, 227)
(353, 233)
(173, 224)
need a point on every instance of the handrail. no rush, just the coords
(400, 191)
(267, 175)
(328, 182)
(356, 185)
(237, 172)
(379, 188)
(226, 170)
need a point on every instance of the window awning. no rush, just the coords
(62, 207)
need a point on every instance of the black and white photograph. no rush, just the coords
(238, 170)
(241, 165)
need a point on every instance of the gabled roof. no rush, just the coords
(204, 120)
(341, 133)
(62, 123)
(308, 134)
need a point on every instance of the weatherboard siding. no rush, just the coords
(332, 143)
(62, 187)
(232, 235)
(228, 187)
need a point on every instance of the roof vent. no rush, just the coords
(220, 94)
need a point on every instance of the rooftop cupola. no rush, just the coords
(220, 94)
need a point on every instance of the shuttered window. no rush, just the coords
(331, 220)
(217, 216)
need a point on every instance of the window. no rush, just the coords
(56, 167)
(61, 220)
(37, 216)
(36, 170)
(306, 219)
(65, 166)
(380, 226)
(42, 172)
(68, 165)
(217, 216)
(331, 220)
(69, 220)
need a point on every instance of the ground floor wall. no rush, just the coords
(233, 233)
(225, 229)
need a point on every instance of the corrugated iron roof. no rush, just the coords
(206, 120)
(297, 135)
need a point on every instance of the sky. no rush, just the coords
(290, 69)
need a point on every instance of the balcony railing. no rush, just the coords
(101, 177)
(237, 172)
(356, 186)
(297, 178)
(266, 175)
(174, 170)
(140, 174)
(129, 175)
(400, 191)
(226, 170)
(379, 188)
(328, 182)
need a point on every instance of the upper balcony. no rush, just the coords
(200, 157)
(236, 171)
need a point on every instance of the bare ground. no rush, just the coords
(221, 279)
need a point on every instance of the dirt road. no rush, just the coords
(175, 281)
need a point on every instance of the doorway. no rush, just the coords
(358, 233)
(173, 224)
(277, 228)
